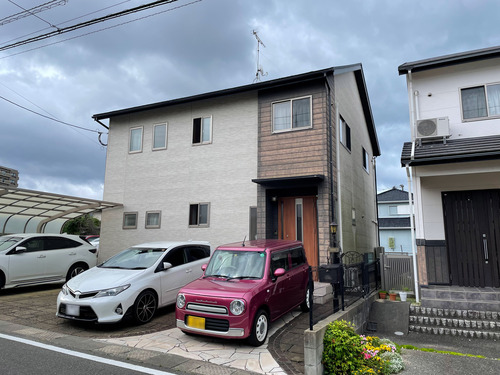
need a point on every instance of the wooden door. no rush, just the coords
(297, 220)
(472, 227)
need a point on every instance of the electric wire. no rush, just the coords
(65, 22)
(87, 23)
(31, 12)
(99, 30)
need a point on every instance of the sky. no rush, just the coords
(190, 47)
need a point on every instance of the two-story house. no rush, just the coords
(454, 162)
(290, 158)
(394, 220)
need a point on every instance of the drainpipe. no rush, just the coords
(330, 161)
(412, 229)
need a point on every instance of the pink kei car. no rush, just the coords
(245, 286)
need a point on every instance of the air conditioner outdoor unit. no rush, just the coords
(433, 127)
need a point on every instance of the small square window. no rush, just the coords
(130, 220)
(198, 215)
(159, 136)
(202, 130)
(135, 141)
(153, 219)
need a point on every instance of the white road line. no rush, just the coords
(94, 358)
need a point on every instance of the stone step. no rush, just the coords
(484, 325)
(455, 332)
(455, 313)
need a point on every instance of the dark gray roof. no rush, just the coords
(393, 195)
(454, 150)
(447, 60)
(357, 69)
(394, 222)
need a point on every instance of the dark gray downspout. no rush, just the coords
(330, 157)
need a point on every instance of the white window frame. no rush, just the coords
(198, 224)
(125, 214)
(485, 88)
(164, 146)
(291, 128)
(202, 132)
(366, 160)
(130, 151)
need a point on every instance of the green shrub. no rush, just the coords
(394, 362)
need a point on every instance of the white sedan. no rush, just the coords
(135, 281)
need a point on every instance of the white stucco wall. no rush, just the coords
(439, 95)
(170, 180)
(357, 186)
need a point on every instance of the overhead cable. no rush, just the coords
(87, 23)
(32, 11)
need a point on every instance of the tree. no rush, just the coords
(82, 225)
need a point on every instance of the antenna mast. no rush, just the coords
(260, 71)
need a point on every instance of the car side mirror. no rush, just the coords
(279, 272)
(166, 266)
(204, 267)
(20, 250)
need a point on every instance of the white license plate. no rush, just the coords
(73, 310)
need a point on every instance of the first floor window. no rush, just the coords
(480, 101)
(153, 219)
(292, 114)
(159, 136)
(130, 220)
(135, 142)
(202, 130)
(198, 214)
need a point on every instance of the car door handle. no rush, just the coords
(72, 253)
(41, 256)
(190, 270)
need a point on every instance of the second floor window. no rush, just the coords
(292, 114)
(202, 130)
(366, 162)
(135, 141)
(480, 101)
(159, 136)
(345, 134)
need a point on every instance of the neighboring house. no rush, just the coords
(288, 158)
(454, 158)
(394, 220)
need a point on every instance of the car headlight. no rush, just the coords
(112, 291)
(181, 300)
(65, 290)
(237, 307)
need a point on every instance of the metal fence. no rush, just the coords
(397, 271)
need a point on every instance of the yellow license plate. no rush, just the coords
(196, 322)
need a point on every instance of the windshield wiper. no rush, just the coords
(220, 276)
(138, 268)
(243, 277)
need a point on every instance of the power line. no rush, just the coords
(49, 117)
(87, 23)
(32, 11)
(105, 28)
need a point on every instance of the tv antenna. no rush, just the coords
(260, 71)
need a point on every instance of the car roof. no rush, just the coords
(261, 245)
(169, 244)
(27, 235)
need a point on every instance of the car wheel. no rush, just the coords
(2, 280)
(144, 307)
(305, 306)
(259, 329)
(76, 269)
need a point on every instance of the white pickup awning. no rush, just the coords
(30, 211)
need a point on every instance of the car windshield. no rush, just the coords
(236, 264)
(8, 241)
(134, 258)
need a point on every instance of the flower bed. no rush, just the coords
(346, 352)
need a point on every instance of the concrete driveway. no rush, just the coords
(36, 307)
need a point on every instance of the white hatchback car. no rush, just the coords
(39, 258)
(134, 282)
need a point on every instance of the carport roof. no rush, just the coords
(24, 210)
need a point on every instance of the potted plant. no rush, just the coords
(392, 295)
(404, 293)
(382, 294)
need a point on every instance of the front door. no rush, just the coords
(297, 220)
(472, 225)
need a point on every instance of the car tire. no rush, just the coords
(305, 306)
(2, 280)
(144, 307)
(260, 329)
(76, 269)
